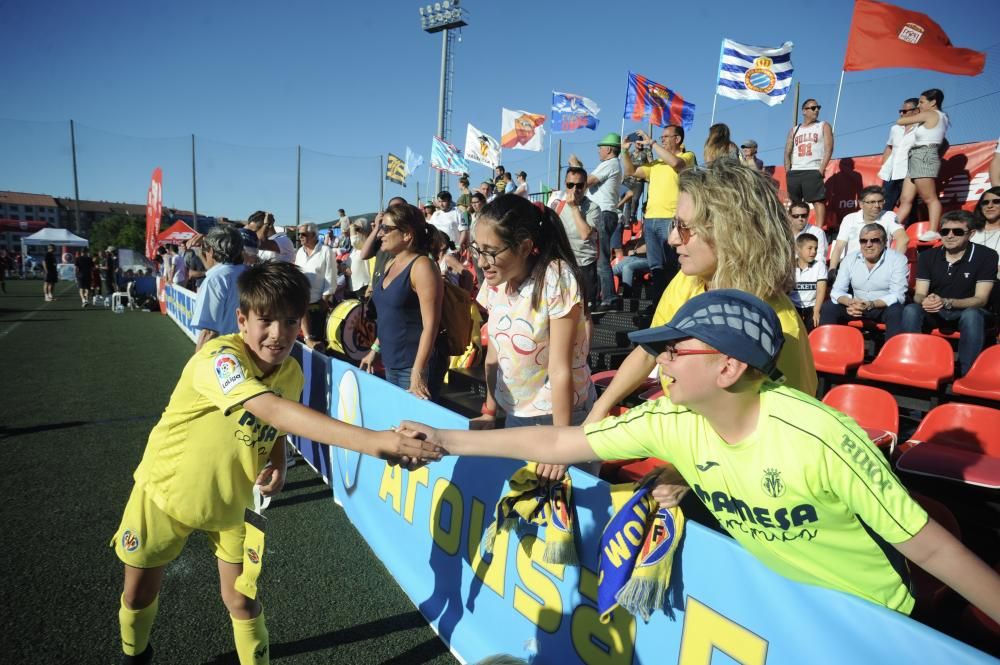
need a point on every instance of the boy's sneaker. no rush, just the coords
(142, 659)
(929, 236)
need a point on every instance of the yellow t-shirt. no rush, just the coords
(807, 493)
(204, 455)
(795, 360)
(661, 201)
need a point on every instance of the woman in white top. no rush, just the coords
(988, 219)
(925, 160)
(522, 184)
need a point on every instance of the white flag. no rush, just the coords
(754, 72)
(413, 161)
(482, 148)
(521, 130)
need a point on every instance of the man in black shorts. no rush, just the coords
(51, 273)
(84, 273)
(807, 153)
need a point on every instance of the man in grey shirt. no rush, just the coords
(580, 217)
(603, 184)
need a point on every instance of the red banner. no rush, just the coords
(965, 175)
(154, 208)
(884, 35)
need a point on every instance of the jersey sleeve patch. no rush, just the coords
(228, 372)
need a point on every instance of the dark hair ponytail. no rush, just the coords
(934, 95)
(516, 219)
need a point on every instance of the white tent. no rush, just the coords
(50, 236)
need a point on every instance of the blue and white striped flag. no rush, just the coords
(446, 157)
(753, 72)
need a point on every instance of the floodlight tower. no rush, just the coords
(443, 17)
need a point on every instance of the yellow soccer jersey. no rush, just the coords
(204, 455)
(795, 361)
(808, 494)
(664, 188)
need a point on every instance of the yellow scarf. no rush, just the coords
(536, 503)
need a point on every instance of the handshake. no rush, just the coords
(410, 445)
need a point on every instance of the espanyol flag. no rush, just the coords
(755, 72)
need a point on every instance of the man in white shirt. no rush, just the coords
(896, 154)
(602, 190)
(450, 221)
(271, 244)
(319, 264)
(872, 202)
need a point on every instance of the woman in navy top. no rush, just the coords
(408, 301)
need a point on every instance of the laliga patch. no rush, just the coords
(228, 372)
(130, 541)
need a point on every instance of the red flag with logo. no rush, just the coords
(884, 35)
(154, 208)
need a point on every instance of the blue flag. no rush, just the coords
(572, 112)
(446, 157)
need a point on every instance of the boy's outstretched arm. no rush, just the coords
(289, 416)
(548, 445)
(939, 553)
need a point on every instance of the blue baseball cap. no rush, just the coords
(733, 322)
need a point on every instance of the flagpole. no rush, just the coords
(836, 109)
(381, 182)
(548, 165)
(715, 98)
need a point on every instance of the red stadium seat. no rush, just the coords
(655, 392)
(603, 380)
(954, 334)
(912, 359)
(629, 471)
(866, 324)
(837, 349)
(983, 380)
(958, 442)
(917, 229)
(872, 408)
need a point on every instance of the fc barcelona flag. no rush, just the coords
(663, 106)
(395, 170)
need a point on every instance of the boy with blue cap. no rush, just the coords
(795, 482)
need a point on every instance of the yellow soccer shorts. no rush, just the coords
(150, 538)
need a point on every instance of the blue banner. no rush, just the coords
(315, 395)
(180, 307)
(427, 526)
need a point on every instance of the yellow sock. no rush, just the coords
(136, 625)
(251, 640)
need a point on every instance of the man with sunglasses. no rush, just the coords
(896, 154)
(798, 212)
(954, 282)
(871, 286)
(807, 152)
(580, 217)
(872, 211)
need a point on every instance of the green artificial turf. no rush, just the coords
(82, 388)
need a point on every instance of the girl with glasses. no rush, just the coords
(536, 359)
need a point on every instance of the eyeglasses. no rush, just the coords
(990, 202)
(575, 185)
(804, 215)
(812, 108)
(951, 231)
(870, 241)
(491, 256)
(673, 353)
(876, 201)
(684, 232)
(386, 229)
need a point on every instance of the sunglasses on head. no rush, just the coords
(952, 231)
(575, 185)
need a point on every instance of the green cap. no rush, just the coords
(612, 139)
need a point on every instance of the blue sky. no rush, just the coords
(349, 81)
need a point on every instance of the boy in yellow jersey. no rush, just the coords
(222, 432)
(795, 482)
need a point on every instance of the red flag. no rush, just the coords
(154, 208)
(888, 36)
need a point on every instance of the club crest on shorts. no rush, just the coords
(228, 372)
(130, 541)
(253, 556)
(659, 538)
